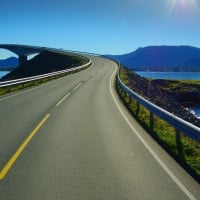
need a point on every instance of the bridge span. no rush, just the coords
(23, 51)
(72, 138)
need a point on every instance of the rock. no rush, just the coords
(173, 100)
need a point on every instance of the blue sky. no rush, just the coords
(100, 26)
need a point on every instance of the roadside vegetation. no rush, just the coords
(18, 87)
(44, 63)
(182, 148)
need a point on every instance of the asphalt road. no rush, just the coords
(71, 138)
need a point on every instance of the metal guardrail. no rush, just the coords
(179, 124)
(48, 75)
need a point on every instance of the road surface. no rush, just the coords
(71, 138)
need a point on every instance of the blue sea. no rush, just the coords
(3, 73)
(195, 112)
(170, 75)
(174, 76)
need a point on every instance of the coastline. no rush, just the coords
(169, 75)
(194, 111)
(172, 95)
(3, 73)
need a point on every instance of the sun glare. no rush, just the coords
(183, 8)
(184, 4)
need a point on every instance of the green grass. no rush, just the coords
(182, 85)
(22, 86)
(185, 150)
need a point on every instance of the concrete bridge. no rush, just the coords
(23, 51)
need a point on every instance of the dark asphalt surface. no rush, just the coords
(86, 149)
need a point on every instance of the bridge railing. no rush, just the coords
(179, 124)
(39, 77)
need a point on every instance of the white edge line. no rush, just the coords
(162, 164)
(26, 90)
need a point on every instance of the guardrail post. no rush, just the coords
(129, 98)
(179, 145)
(137, 108)
(119, 88)
(9, 88)
(151, 121)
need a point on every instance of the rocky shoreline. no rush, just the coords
(167, 94)
(194, 112)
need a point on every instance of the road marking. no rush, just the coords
(76, 87)
(85, 80)
(21, 148)
(25, 90)
(19, 93)
(61, 101)
(162, 164)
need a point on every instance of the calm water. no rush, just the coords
(170, 75)
(3, 73)
(174, 76)
(195, 112)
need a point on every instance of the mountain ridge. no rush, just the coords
(8, 63)
(162, 57)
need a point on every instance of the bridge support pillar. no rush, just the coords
(22, 59)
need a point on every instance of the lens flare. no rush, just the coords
(185, 9)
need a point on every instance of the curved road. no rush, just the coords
(71, 138)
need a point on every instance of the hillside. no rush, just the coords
(183, 58)
(192, 62)
(8, 63)
(172, 95)
(45, 62)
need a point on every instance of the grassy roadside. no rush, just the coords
(18, 87)
(183, 149)
(44, 63)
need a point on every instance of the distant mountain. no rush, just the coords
(9, 62)
(192, 62)
(162, 57)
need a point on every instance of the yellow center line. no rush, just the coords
(21, 148)
(85, 80)
(63, 99)
(77, 86)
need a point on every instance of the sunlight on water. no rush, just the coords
(170, 75)
(195, 112)
(3, 73)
